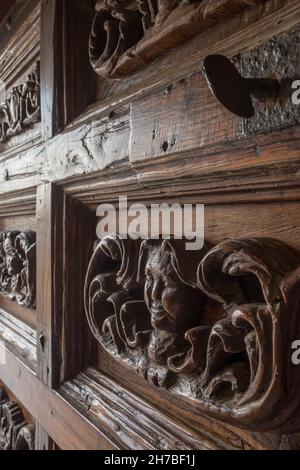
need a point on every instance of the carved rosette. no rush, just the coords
(21, 109)
(149, 305)
(129, 33)
(15, 433)
(18, 267)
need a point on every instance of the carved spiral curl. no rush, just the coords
(15, 433)
(21, 109)
(249, 351)
(18, 267)
(116, 28)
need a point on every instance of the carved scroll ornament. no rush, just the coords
(18, 267)
(22, 107)
(147, 305)
(15, 433)
(128, 33)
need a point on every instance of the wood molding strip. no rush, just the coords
(137, 424)
(19, 336)
(62, 421)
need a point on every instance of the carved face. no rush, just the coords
(173, 305)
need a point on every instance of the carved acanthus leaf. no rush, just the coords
(128, 33)
(18, 267)
(15, 433)
(257, 282)
(21, 109)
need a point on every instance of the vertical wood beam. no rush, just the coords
(78, 345)
(68, 82)
(42, 439)
(49, 282)
(80, 80)
(51, 67)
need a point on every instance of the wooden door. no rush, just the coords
(141, 344)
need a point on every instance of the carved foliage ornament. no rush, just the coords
(18, 267)
(15, 433)
(150, 303)
(22, 107)
(128, 33)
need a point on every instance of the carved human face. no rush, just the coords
(173, 305)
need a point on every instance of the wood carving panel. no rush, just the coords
(21, 109)
(129, 33)
(15, 433)
(18, 267)
(146, 302)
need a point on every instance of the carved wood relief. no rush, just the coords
(18, 267)
(21, 109)
(193, 349)
(15, 433)
(145, 304)
(129, 33)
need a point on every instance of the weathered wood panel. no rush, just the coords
(158, 136)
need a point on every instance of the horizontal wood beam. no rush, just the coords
(139, 425)
(80, 151)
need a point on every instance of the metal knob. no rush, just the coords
(234, 91)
